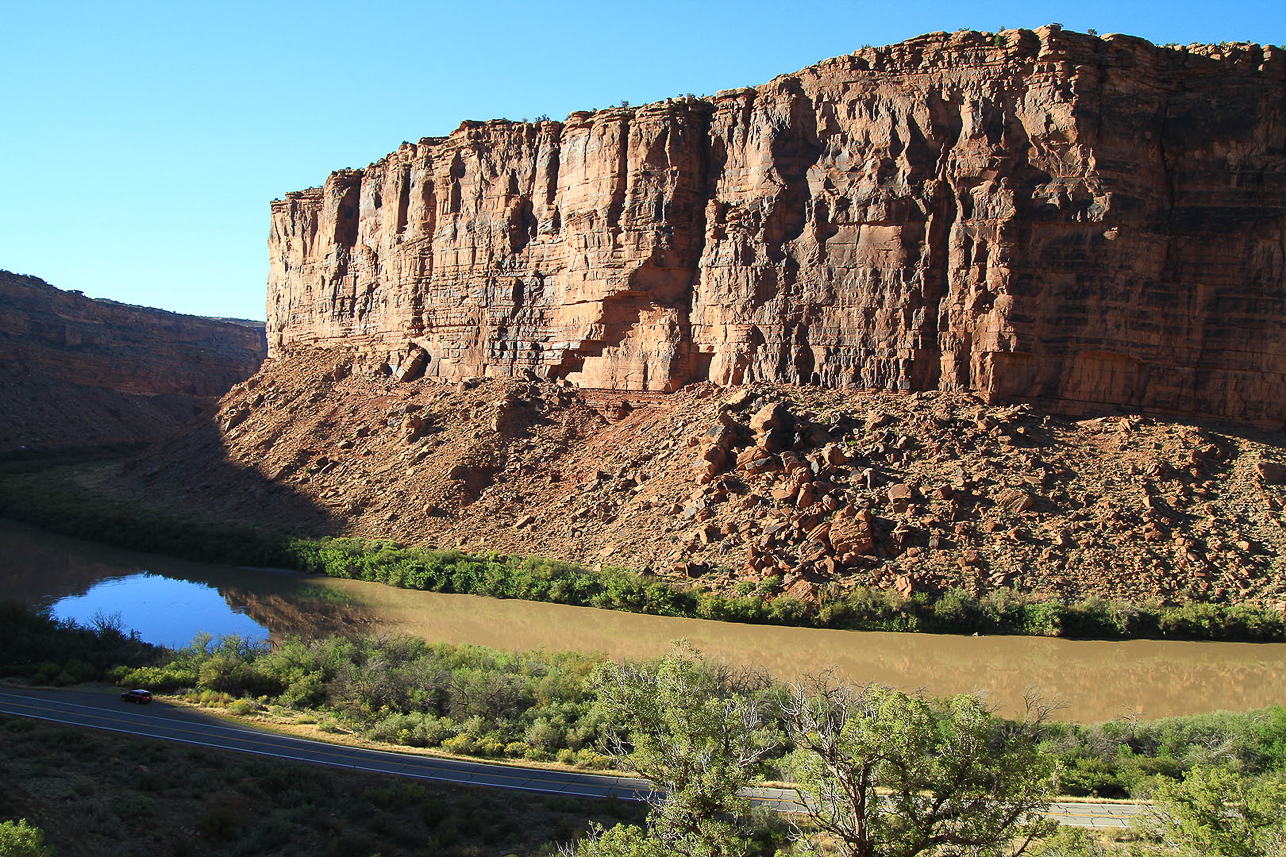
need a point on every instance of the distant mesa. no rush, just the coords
(80, 372)
(1080, 222)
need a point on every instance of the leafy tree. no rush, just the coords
(621, 841)
(886, 774)
(697, 732)
(19, 839)
(1216, 812)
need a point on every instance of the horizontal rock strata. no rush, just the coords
(76, 371)
(1031, 215)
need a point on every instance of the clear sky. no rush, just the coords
(141, 143)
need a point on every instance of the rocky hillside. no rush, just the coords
(792, 487)
(76, 371)
(1043, 216)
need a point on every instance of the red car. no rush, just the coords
(139, 696)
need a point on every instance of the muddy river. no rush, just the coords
(169, 601)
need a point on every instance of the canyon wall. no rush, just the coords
(76, 371)
(1039, 215)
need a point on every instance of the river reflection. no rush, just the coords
(1097, 680)
(159, 609)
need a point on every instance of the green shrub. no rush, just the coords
(19, 839)
(1043, 618)
(587, 758)
(545, 734)
(1090, 777)
(133, 808)
(957, 610)
(462, 744)
(242, 707)
(171, 676)
(489, 747)
(208, 698)
(788, 611)
(769, 585)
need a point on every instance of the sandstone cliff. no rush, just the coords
(1044, 216)
(76, 371)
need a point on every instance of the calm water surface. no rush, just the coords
(160, 609)
(169, 601)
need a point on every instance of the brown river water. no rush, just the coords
(168, 601)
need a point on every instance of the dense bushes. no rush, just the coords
(1121, 758)
(45, 650)
(956, 611)
(465, 699)
(539, 706)
(74, 513)
(494, 575)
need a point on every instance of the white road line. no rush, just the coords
(320, 755)
(269, 744)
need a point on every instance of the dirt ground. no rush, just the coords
(821, 489)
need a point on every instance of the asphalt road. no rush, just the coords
(105, 710)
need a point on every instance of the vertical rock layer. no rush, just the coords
(1030, 215)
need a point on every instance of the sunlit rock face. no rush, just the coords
(1031, 215)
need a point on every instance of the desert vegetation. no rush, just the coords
(555, 707)
(97, 793)
(879, 772)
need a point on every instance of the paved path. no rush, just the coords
(175, 723)
(105, 710)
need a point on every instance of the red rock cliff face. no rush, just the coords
(1031, 215)
(53, 334)
(76, 371)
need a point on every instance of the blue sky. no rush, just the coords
(141, 143)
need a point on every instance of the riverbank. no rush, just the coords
(1094, 679)
(541, 706)
(55, 497)
(809, 491)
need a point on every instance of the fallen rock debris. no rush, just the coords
(818, 490)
